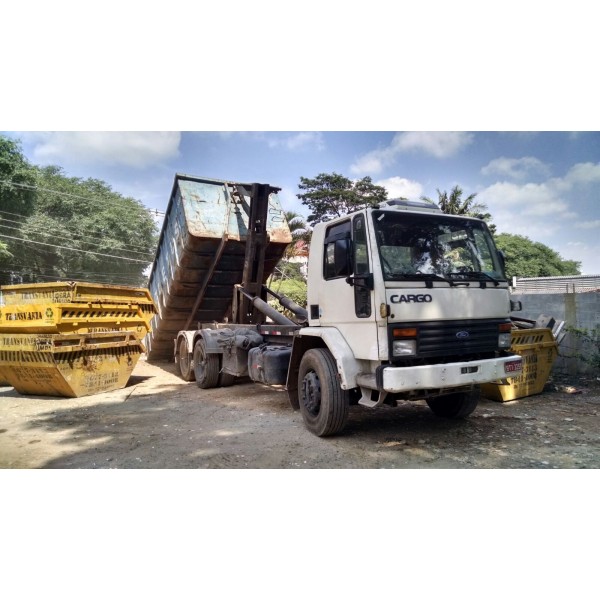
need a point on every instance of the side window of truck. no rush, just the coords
(361, 254)
(337, 260)
(362, 295)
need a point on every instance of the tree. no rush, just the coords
(71, 228)
(525, 258)
(17, 178)
(17, 197)
(333, 195)
(454, 204)
(300, 233)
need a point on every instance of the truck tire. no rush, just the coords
(225, 379)
(186, 368)
(323, 403)
(206, 366)
(455, 406)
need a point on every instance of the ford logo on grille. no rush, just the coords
(461, 335)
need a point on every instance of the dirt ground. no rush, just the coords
(160, 422)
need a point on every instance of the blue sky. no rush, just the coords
(543, 185)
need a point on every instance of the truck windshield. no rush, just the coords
(430, 246)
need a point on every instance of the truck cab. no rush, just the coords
(404, 303)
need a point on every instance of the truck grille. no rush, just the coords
(453, 338)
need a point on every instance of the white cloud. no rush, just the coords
(534, 210)
(400, 187)
(298, 141)
(584, 173)
(529, 199)
(368, 163)
(441, 144)
(586, 253)
(589, 224)
(134, 149)
(516, 168)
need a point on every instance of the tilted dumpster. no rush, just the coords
(200, 255)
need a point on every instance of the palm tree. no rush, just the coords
(454, 204)
(300, 233)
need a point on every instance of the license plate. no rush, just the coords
(512, 366)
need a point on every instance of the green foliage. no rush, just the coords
(455, 204)
(525, 258)
(17, 177)
(76, 229)
(295, 289)
(287, 270)
(333, 195)
(300, 231)
(590, 341)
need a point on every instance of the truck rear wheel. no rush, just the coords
(225, 379)
(185, 363)
(206, 366)
(455, 406)
(323, 403)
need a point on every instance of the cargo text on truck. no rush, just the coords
(404, 303)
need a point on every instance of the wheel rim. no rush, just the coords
(184, 356)
(311, 393)
(200, 363)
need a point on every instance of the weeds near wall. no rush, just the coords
(590, 344)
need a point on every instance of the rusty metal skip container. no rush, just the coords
(71, 339)
(200, 255)
(69, 365)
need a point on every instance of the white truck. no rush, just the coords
(404, 303)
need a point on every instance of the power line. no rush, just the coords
(41, 189)
(133, 280)
(145, 262)
(81, 236)
(39, 231)
(34, 269)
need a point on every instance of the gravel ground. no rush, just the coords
(160, 422)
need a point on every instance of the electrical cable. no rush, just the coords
(37, 188)
(81, 236)
(75, 249)
(43, 231)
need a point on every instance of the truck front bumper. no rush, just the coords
(449, 375)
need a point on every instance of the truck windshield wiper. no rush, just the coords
(479, 275)
(429, 278)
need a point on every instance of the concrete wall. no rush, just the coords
(579, 310)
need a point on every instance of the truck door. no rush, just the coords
(346, 293)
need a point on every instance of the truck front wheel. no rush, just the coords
(206, 366)
(455, 406)
(323, 403)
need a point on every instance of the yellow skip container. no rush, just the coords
(83, 317)
(72, 291)
(70, 365)
(539, 351)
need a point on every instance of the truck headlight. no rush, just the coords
(504, 335)
(404, 347)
